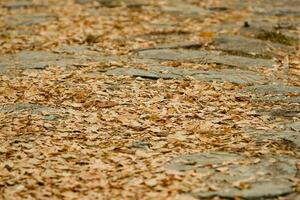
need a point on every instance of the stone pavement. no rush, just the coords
(250, 44)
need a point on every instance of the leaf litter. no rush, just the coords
(106, 137)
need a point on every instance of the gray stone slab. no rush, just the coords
(156, 72)
(293, 137)
(200, 160)
(285, 112)
(18, 107)
(175, 54)
(205, 57)
(228, 75)
(140, 73)
(275, 93)
(22, 4)
(34, 60)
(295, 126)
(267, 176)
(108, 3)
(174, 45)
(283, 11)
(279, 98)
(249, 46)
(259, 190)
(186, 10)
(43, 59)
(241, 62)
(273, 89)
(29, 19)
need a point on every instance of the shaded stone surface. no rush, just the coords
(275, 93)
(205, 57)
(18, 107)
(156, 72)
(267, 176)
(273, 89)
(199, 160)
(259, 190)
(140, 73)
(30, 19)
(295, 126)
(176, 54)
(287, 99)
(109, 3)
(186, 10)
(174, 45)
(116, 3)
(249, 46)
(277, 32)
(283, 11)
(285, 112)
(292, 137)
(43, 59)
(22, 4)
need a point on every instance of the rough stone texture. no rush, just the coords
(116, 3)
(140, 73)
(174, 45)
(18, 107)
(188, 162)
(275, 93)
(22, 4)
(273, 89)
(256, 26)
(285, 112)
(248, 46)
(43, 59)
(233, 76)
(286, 99)
(205, 57)
(267, 176)
(295, 126)
(259, 190)
(109, 3)
(175, 54)
(241, 62)
(282, 137)
(30, 19)
(186, 10)
(284, 11)
(156, 72)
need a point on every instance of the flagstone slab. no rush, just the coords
(275, 93)
(283, 11)
(186, 10)
(273, 89)
(267, 176)
(34, 108)
(29, 19)
(259, 190)
(156, 72)
(22, 4)
(284, 136)
(174, 45)
(175, 54)
(43, 59)
(295, 126)
(140, 73)
(205, 57)
(254, 47)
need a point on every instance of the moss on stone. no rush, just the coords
(274, 36)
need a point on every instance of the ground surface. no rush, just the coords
(153, 99)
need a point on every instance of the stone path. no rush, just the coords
(252, 45)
